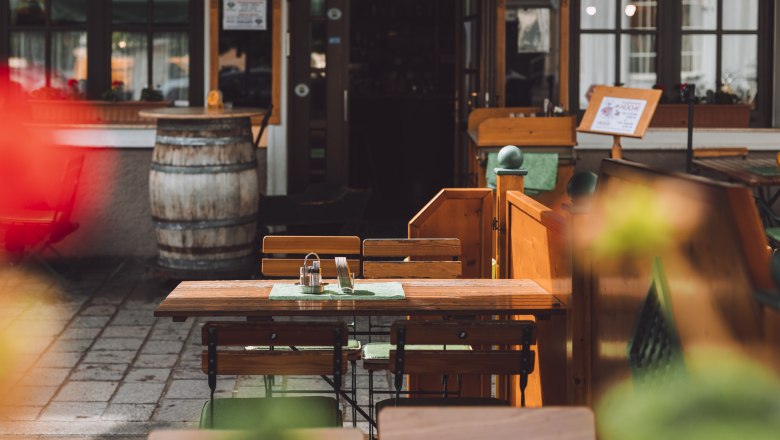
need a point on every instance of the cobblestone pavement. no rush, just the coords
(91, 360)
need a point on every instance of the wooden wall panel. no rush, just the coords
(466, 214)
(538, 249)
(714, 257)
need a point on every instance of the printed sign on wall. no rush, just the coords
(244, 15)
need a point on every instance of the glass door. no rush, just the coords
(318, 52)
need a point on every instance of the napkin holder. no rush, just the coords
(345, 277)
(310, 276)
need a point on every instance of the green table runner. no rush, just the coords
(542, 170)
(363, 291)
(766, 171)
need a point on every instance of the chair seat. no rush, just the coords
(773, 234)
(28, 216)
(269, 414)
(440, 401)
(379, 352)
(352, 345)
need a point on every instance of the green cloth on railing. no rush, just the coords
(363, 291)
(542, 170)
(378, 351)
(766, 171)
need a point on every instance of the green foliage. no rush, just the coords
(638, 225)
(115, 93)
(721, 396)
(150, 94)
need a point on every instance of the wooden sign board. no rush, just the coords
(618, 112)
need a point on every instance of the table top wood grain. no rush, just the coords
(423, 297)
(740, 170)
(208, 434)
(496, 423)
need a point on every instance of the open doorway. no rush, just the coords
(401, 104)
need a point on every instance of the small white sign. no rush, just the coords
(244, 15)
(618, 115)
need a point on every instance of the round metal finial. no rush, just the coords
(510, 157)
(582, 184)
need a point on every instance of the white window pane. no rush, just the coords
(699, 62)
(129, 62)
(739, 65)
(637, 61)
(26, 60)
(597, 14)
(740, 15)
(597, 63)
(171, 65)
(699, 14)
(639, 14)
(69, 62)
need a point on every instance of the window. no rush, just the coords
(614, 30)
(47, 46)
(79, 48)
(718, 45)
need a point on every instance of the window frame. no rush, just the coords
(47, 29)
(99, 28)
(669, 34)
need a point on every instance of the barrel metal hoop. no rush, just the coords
(184, 225)
(202, 141)
(233, 263)
(203, 169)
(205, 250)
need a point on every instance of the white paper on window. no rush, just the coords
(246, 15)
(533, 30)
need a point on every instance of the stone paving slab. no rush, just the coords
(99, 365)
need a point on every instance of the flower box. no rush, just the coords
(704, 116)
(92, 112)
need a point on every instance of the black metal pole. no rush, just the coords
(690, 93)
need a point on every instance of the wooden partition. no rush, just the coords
(466, 214)
(711, 247)
(538, 249)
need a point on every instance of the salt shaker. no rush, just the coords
(315, 273)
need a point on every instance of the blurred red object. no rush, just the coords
(37, 182)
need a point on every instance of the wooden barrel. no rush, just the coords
(204, 193)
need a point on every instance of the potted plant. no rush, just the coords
(714, 109)
(67, 106)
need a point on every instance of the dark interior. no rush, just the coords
(402, 103)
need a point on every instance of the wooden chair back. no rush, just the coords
(70, 183)
(500, 361)
(329, 359)
(428, 258)
(283, 255)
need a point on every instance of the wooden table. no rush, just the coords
(483, 297)
(743, 171)
(739, 170)
(303, 434)
(423, 297)
(496, 423)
